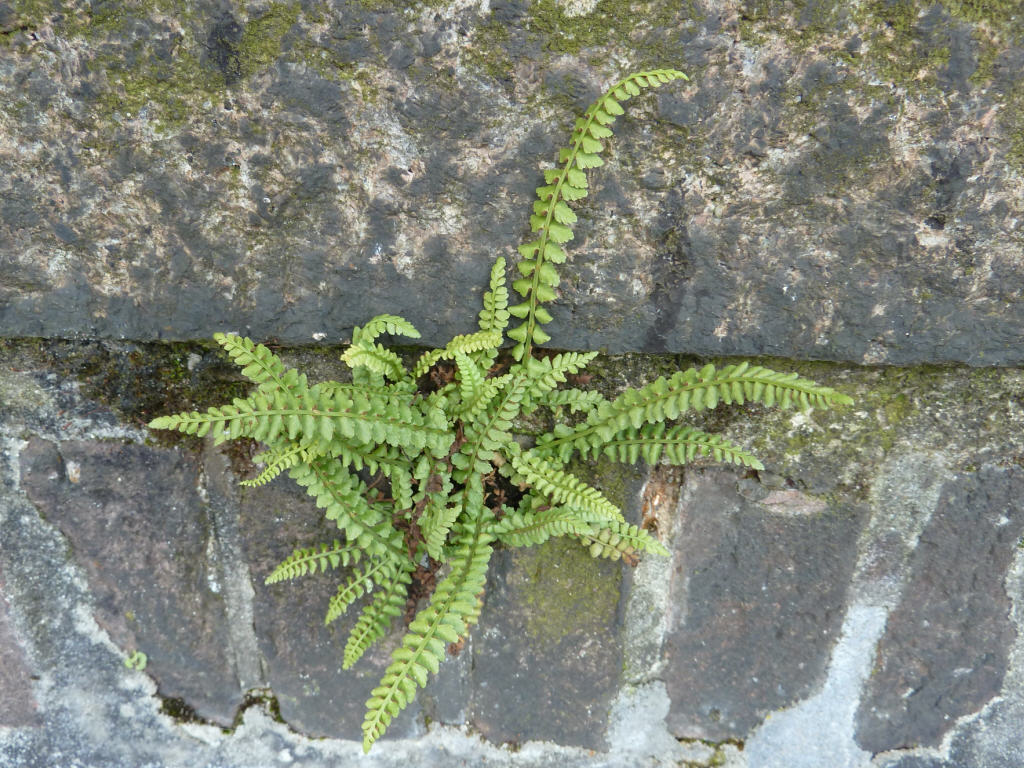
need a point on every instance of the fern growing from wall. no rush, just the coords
(445, 448)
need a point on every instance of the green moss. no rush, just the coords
(565, 590)
(898, 50)
(999, 13)
(612, 24)
(802, 23)
(172, 87)
(261, 41)
(488, 54)
(939, 408)
(1012, 119)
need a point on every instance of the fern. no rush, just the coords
(417, 467)
(552, 216)
(375, 620)
(454, 607)
(309, 560)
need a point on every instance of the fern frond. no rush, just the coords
(488, 391)
(454, 606)
(390, 324)
(342, 497)
(578, 400)
(375, 358)
(361, 581)
(439, 512)
(261, 366)
(693, 389)
(315, 559)
(547, 373)
(354, 415)
(618, 538)
(653, 442)
(490, 432)
(277, 460)
(401, 483)
(471, 382)
(562, 487)
(527, 527)
(494, 315)
(376, 617)
(552, 217)
(465, 344)
(436, 522)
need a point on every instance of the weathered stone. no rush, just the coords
(303, 656)
(758, 597)
(547, 656)
(139, 531)
(833, 183)
(17, 703)
(944, 652)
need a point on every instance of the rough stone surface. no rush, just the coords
(855, 510)
(945, 650)
(835, 182)
(17, 704)
(547, 657)
(757, 599)
(140, 532)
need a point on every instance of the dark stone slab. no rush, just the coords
(547, 654)
(139, 531)
(944, 651)
(303, 656)
(18, 706)
(757, 604)
(287, 172)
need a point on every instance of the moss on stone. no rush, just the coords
(897, 50)
(260, 45)
(954, 410)
(565, 590)
(611, 25)
(1012, 119)
(135, 380)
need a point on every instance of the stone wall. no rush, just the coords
(837, 191)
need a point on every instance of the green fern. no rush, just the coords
(309, 560)
(417, 470)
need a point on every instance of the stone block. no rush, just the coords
(945, 650)
(758, 596)
(138, 529)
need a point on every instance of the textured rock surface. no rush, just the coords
(879, 552)
(17, 705)
(757, 600)
(303, 657)
(547, 657)
(836, 182)
(945, 648)
(140, 532)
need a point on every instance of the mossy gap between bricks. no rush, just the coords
(424, 467)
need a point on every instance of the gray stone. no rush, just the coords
(829, 185)
(757, 604)
(547, 654)
(944, 652)
(139, 531)
(17, 704)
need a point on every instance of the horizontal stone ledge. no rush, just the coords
(822, 187)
